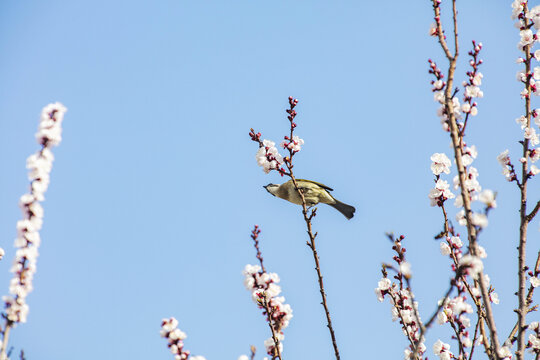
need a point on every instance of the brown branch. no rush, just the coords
(522, 267)
(269, 313)
(311, 245)
(534, 212)
(440, 33)
(5, 338)
(474, 337)
(458, 338)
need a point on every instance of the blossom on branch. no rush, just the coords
(471, 265)
(440, 164)
(39, 166)
(295, 145)
(268, 156)
(440, 193)
(175, 339)
(264, 292)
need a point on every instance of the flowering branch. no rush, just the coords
(264, 292)
(28, 240)
(463, 176)
(268, 157)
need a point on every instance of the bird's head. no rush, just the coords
(271, 188)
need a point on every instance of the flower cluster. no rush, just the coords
(472, 85)
(404, 307)
(454, 310)
(175, 339)
(526, 21)
(28, 240)
(442, 350)
(264, 292)
(534, 339)
(508, 169)
(438, 195)
(268, 156)
(294, 144)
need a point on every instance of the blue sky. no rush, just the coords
(155, 187)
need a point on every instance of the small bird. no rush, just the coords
(314, 193)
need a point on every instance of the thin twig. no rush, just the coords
(533, 213)
(5, 339)
(474, 337)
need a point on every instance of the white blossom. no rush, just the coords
(268, 150)
(445, 249)
(479, 220)
(521, 76)
(535, 170)
(473, 91)
(438, 96)
(530, 134)
(488, 197)
(535, 281)
(384, 284)
(473, 264)
(441, 189)
(534, 15)
(405, 269)
(522, 121)
(517, 8)
(526, 38)
(505, 353)
(535, 343)
(494, 298)
(503, 158)
(456, 241)
(477, 79)
(441, 317)
(442, 350)
(295, 145)
(460, 218)
(440, 164)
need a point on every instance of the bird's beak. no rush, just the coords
(266, 188)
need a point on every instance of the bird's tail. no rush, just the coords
(345, 209)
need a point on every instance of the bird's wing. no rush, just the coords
(316, 183)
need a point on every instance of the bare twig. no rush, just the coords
(534, 212)
(478, 321)
(255, 236)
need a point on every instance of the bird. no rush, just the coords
(314, 193)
